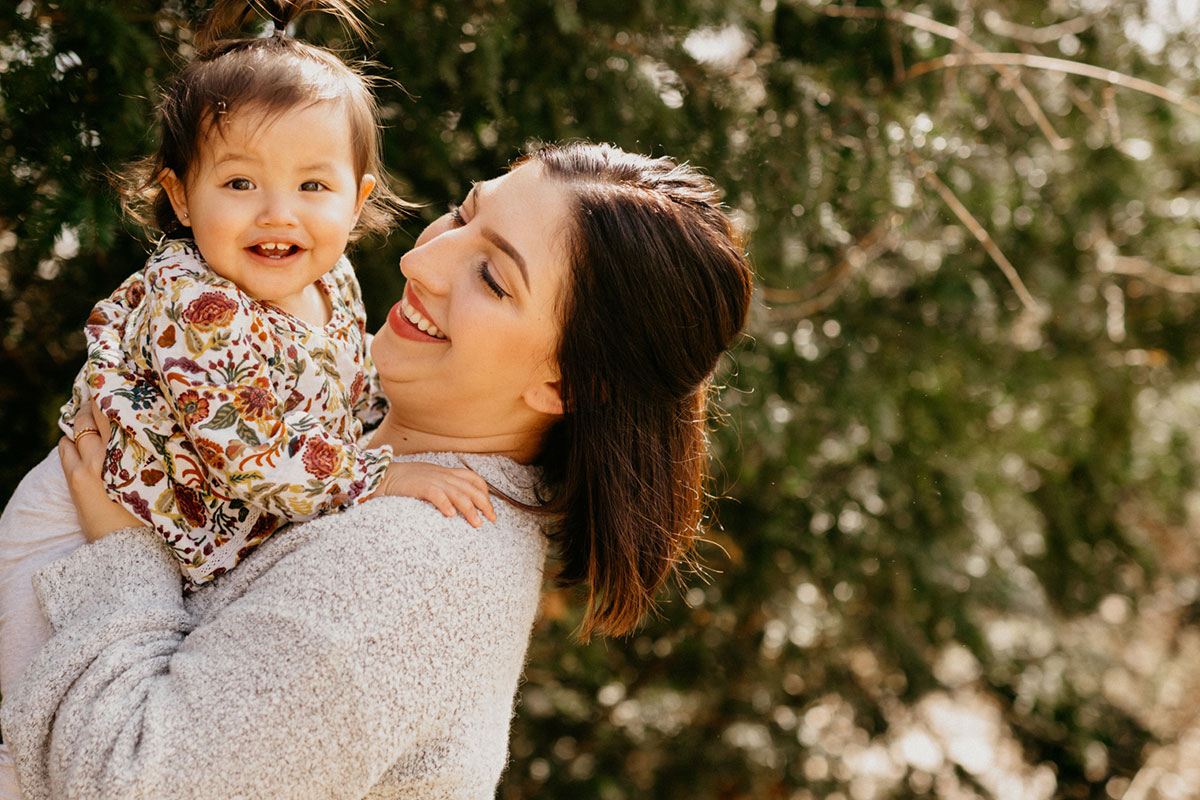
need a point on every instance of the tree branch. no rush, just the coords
(1138, 267)
(927, 173)
(1012, 79)
(1023, 33)
(830, 285)
(1050, 64)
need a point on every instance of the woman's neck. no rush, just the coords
(406, 439)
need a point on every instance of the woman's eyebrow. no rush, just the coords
(502, 243)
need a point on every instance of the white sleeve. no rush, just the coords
(325, 671)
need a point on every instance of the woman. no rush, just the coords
(581, 301)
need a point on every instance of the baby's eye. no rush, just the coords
(311, 186)
(456, 215)
(240, 184)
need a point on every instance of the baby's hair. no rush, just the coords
(272, 75)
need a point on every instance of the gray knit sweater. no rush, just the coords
(373, 653)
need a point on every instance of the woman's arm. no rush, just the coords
(341, 650)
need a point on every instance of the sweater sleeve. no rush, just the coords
(336, 660)
(214, 359)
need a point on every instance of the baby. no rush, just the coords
(234, 366)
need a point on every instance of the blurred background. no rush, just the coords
(957, 550)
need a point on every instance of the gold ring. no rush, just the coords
(84, 433)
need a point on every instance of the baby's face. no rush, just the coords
(271, 201)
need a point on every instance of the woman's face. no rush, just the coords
(469, 351)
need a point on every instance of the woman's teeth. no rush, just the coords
(274, 249)
(414, 316)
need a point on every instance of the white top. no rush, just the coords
(374, 652)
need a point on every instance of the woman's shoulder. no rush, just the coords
(513, 542)
(403, 551)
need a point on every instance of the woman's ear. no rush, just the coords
(545, 398)
(176, 194)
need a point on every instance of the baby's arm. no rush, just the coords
(217, 362)
(448, 489)
(104, 332)
(371, 405)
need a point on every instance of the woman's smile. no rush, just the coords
(409, 319)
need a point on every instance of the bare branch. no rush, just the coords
(1085, 104)
(1023, 33)
(903, 17)
(1078, 96)
(1049, 64)
(1110, 115)
(1012, 79)
(1138, 267)
(927, 173)
(830, 285)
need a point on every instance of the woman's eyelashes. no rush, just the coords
(484, 269)
(485, 274)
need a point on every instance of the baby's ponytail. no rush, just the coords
(228, 16)
(272, 75)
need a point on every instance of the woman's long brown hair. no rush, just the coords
(660, 286)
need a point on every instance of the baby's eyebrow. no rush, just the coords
(233, 156)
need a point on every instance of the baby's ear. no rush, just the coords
(176, 194)
(365, 187)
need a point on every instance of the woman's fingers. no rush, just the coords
(82, 457)
(89, 439)
(68, 455)
(100, 419)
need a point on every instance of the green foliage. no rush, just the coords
(957, 555)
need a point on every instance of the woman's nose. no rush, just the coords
(431, 260)
(425, 266)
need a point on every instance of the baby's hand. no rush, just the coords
(446, 487)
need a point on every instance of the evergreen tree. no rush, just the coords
(957, 551)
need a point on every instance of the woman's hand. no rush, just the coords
(83, 461)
